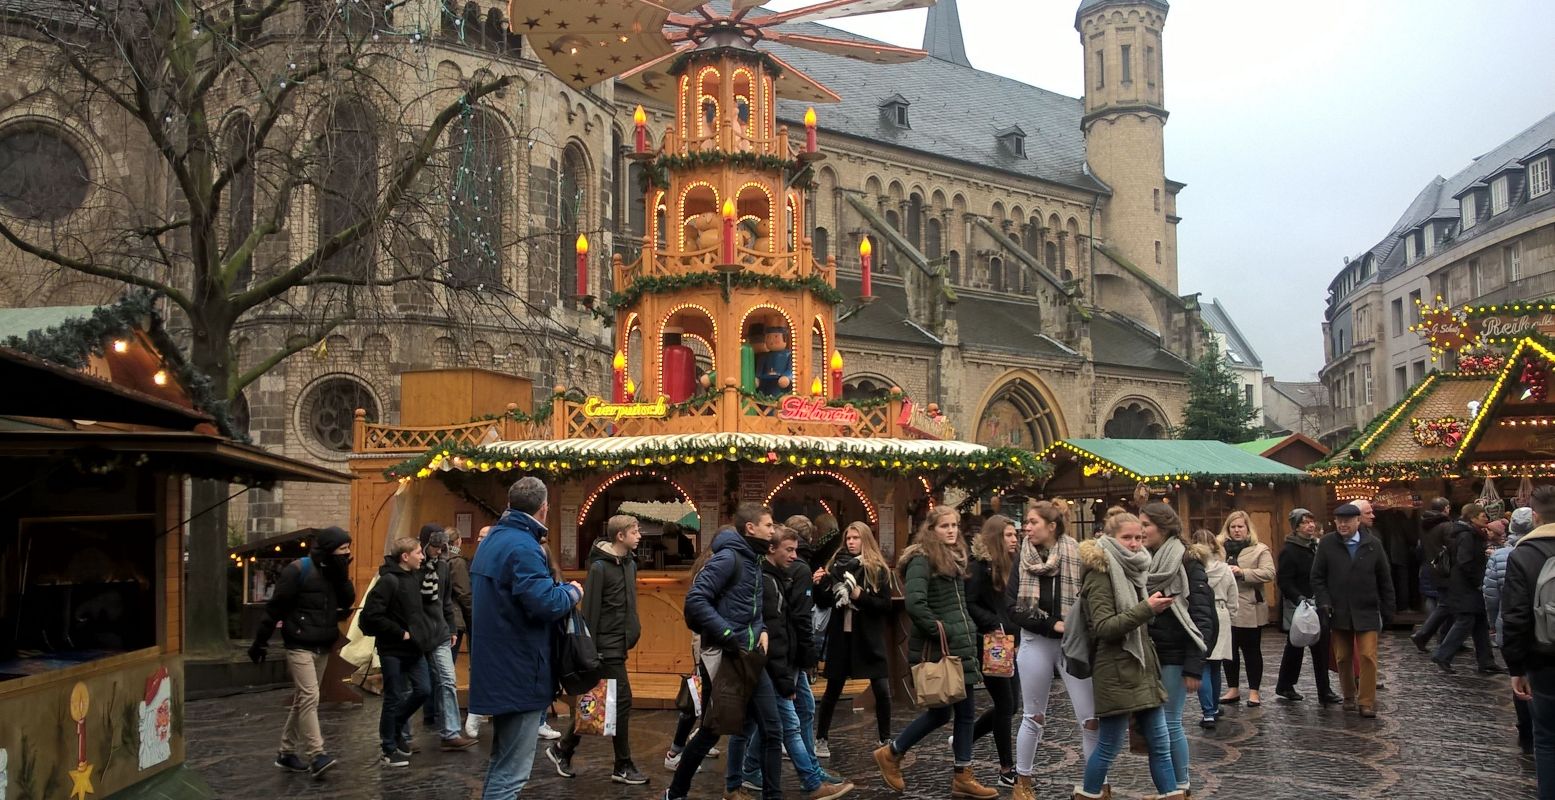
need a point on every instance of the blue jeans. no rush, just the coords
(405, 688)
(763, 708)
(444, 699)
(1542, 709)
(749, 766)
(1114, 732)
(932, 719)
(804, 706)
(1176, 696)
(1210, 688)
(512, 753)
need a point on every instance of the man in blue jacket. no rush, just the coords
(517, 604)
(724, 606)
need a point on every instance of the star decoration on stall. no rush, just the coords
(586, 44)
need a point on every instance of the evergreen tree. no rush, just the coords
(1217, 408)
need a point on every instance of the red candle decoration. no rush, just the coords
(583, 265)
(640, 136)
(865, 249)
(728, 245)
(836, 374)
(809, 130)
(618, 384)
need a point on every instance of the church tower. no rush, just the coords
(1124, 122)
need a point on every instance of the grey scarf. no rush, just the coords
(1127, 571)
(1169, 576)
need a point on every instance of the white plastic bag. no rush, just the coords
(358, 651)
(1306, 627)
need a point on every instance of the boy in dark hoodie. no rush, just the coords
(610, 609)
(394, 615)
(723, 605)
(441, 711)
(312, 596)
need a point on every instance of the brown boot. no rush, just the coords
(964, 785)
(1177, 795)
(1023, 789)
(830, 791)
(1079, 794)
(890, 768)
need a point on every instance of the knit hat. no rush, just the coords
(328, 539)
(1522, 522)
(433, 535)
(1299, 514)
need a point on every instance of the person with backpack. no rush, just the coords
(1126, 671)
(787, 617)
(987, 600)
(394, 614)
(856, 585)
(1252, 565)
(1043, 586)
(313, 595)
(1528, 626)
(610, 610)
(1495, 585)
(1352, 583)
(1465, 593)
(1183, 635)
(518, 603)
(1436, 523)
(1294, 576)
(723, 606)
(934, 570)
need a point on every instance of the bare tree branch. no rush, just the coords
(297, 345)
(90, 267)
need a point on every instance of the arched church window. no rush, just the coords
(478, 177)
(238, 143)
(571, 212)
(1018, 416)
(1134, 421)
(348, 188)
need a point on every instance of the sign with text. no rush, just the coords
(1512, 324)
(597, 407)
(797, 409)
(920, 423)
(1445, 328)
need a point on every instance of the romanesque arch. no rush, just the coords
(1018, 410)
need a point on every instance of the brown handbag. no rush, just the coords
(937, 684)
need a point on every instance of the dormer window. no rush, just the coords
(894, 111)
(1499, 196)
(1430, 239)
(1539, 177)
(1469, 210)
(1012, 141)
(1409, 248)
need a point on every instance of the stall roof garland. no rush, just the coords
(74, 341)
(562, 458)
(1172, 460)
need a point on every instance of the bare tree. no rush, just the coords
(307, 168)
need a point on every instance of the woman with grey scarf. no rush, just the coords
(1180, 636)
(1126, 673)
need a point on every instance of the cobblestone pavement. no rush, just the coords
(1438, 737)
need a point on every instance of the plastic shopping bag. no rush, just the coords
(1306, 627)
(597, 710)
(689, 701)
(999, 654)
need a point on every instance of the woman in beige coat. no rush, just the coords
(1253, 565)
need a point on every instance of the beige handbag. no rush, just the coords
(940, 683)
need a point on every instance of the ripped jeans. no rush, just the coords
(1034, 663)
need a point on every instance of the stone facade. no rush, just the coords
(1088, 249)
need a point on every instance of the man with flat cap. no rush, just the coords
(1353, 583)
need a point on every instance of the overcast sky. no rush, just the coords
(1303, 129)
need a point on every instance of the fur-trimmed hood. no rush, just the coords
(980, 552)
(1196, 552)
(1094, 557)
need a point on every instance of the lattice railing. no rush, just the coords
(378, 438)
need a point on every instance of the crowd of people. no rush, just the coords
(1133, 620)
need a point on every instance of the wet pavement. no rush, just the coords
(1438, 737)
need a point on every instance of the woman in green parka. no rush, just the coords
(934, 570)
(1125, 672)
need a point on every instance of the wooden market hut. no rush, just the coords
(1293, 450)
(1203, 480)
(92, 541)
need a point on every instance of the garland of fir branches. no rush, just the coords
(72, 342)
(744, 279)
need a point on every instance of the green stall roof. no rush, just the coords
(1179, 459)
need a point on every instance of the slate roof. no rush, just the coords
(955, 110)
(1156, 458)
(1306, 394)
(1117, 342)
(942, 34)
(1004, 325)
(885, 319)
(1238, 351)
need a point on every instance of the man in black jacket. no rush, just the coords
(1530, 661)
(394, 614)
(1435, 524)
(610, 610)
(312, 596)
(1465, 596)
(1294, 575)
(1353, 585)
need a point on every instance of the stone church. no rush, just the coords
(1026, 272)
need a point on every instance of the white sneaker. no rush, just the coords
(671, 760)
(472, 726)
(547, 732)
(822, 750)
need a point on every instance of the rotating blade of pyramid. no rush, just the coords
(586, 43)
(864, 51)
(837, 9)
